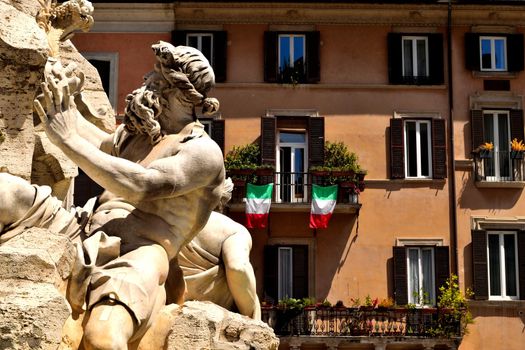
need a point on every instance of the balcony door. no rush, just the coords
(291, 160)
(497, 130)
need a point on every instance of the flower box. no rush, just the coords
(485, 154)
(516, 154)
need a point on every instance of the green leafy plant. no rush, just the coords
(454, 314)
(243, 157)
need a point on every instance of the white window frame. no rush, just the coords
(112, 58)
(410, 289)
(414, 40)
(492, 40)
(291, 36)
(503, 272)
(418, 148)
(199, 37)
(293, 145)
(497, 142)
(282, 283)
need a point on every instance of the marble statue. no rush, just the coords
(162, 174)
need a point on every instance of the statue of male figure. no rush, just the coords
(162, 177)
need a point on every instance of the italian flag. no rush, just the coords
(323, 204)
(258, 200)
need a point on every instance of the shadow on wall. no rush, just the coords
(473, 198)
(467, 265)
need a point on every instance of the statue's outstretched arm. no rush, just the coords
(198, 163)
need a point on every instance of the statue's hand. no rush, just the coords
(60, 121)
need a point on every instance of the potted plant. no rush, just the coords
(240, 163)
(320, 171)
(516, 149)
(485, 150)
(265, 170)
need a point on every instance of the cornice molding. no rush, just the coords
(147, 17)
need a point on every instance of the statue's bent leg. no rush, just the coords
(239, 273)
(16, 197)
(125, 297)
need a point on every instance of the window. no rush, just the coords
(415, 56)
(106, 64)
(285, 271)
(502, 265)
(213, 44)
(291, 58)
(491, 53)
(498, 127)
(291, 166)
(415, 59)
(419, 271)
(417, 148)
(498, 258)
(421, 288)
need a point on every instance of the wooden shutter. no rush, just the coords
(268, 140)
(516, 124)
(315, 141)
(435, 63)
(480, 283)
(441, 267)
(313, 67)
(270, 57)
(217, 132)
(515, 52)
(400, 276)
(397, 149)
(476, 128)
(472, 52)
(395, 72)
(521, 263)
(439, 149)
(178, 37)
(270, 273)
(220, 50)
(300, 271)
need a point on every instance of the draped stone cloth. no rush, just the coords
(205, 276)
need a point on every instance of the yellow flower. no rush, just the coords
(487, 146)
(516, 145)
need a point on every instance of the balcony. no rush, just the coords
(293, 190)
(427, 328)
(499, 169)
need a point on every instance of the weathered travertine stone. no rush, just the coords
(37, 255)
(23, 54)
(204, 325)
(33, 269)
(31, 315)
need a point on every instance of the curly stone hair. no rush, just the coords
(183, 68)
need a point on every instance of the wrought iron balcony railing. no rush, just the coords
(500, 166)
(334, 322)
(294, 187)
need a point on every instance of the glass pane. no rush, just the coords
(499, 48)
(428, 276)
(411, 152)
(413, 275)
(193, 41)
(292, 137)
(424, 140)
(486, 62)
(488, 131)
(299, 175)
(422, 58)
(298, 52)
(284, 52)
(206, 46)
(285, 273)
(510, 265)
(407, 58)
(503, 145)
(285, 169)
(494, 265)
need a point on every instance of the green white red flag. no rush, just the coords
(324, 199)
(258, 200)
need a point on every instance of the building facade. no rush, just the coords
(428, 94)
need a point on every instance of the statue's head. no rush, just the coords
(182, 74)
